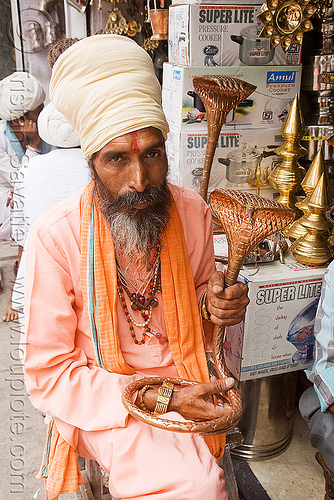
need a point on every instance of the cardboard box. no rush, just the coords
(266, 107)
(276, 335)
(224, 34)
(237, 150)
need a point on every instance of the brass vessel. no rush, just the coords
(288, 175)
(311, 179)
(219, 95)
(159, 22)
(313, 248)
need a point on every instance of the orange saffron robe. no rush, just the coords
(61, 378)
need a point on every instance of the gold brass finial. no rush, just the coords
(287, 176)
(313, 248)
(311, 179)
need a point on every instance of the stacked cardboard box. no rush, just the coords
(224, 34)
(211, 39)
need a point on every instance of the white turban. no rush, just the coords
(54, 129)
(106, 87)
(19, 93)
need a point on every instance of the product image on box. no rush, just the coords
(301, 334)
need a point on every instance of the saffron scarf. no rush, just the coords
(181, 312)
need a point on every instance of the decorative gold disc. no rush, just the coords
(285, 21)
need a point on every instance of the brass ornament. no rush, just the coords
(288, 175)
(118, 25)
(285, 21)
(150, 44)
(313, 248)
(219, 95)
(258, 183)
(311, 179)
(247, 220)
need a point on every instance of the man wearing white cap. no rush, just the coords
(115, 279)
(47, 179)
(21, 101)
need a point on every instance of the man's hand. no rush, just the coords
(195, 402)
(227, 305)
(26, 131)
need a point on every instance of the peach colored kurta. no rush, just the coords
(85, 399)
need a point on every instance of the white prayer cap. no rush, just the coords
(106, 87)
(54, 129)
(20, 92)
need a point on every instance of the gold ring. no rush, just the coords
(21, 122)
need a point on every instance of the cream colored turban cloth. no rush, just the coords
(106, 87)
(54, 129)
(19, 93)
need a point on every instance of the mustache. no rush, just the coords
(151, 195)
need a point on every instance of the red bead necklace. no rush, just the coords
(139, 302)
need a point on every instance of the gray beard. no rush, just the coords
(135, 232)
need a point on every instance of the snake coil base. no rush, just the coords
(247, 219)
(206, 427)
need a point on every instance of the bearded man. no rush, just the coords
(116, 276)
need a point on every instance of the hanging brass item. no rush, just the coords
(288, 175)
(150, 44)
(313, 248)
(118, 25)
(159, 21)
(219, 95)
(285, 21)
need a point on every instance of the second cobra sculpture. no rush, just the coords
(219, 94)
(247, 219)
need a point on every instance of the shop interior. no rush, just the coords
(271, 135)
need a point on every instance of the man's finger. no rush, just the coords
(216, 283)
(217, 386)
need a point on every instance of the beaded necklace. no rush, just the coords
(139, 302)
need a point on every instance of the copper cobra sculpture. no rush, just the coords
(219, 94)
(246, 219)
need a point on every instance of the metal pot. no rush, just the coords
(34, 36)
(51, 32)
(253, 50)
(237, 164)
(241, 161)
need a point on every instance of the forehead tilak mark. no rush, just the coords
(135, 143)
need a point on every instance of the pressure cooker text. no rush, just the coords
(225, 141)
(226, 15)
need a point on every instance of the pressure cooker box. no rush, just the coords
(224, 34)
(237, 152)
(277, 332)
(267, 106)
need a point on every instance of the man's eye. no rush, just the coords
(153, 154)
(115, 158)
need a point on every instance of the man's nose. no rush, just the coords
(139, 177)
